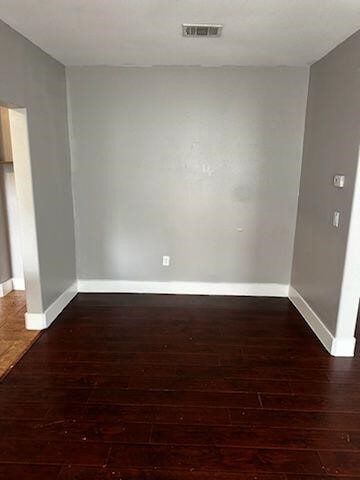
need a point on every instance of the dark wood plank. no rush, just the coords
(102, 369)
(171, 398)
(90, 473)
(323, 388)
(209, 384)
(56, 452)
(29, 393)
(213, 458)
(77, 430)
(336, 401)
(23, 410)
(318, 477)
(132, 345)
(169, 370)
(177, 343)
(48, 381)
(153, 414)
(10, 471)
(277, 360)
(122, 357)
(297, 419)
(255, 436)
(341, 463)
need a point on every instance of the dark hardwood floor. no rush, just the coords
(161, 387)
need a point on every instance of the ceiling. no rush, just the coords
(148, 32)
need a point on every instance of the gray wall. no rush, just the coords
(331, 146)
(30, 78)
(175, 160)
(13, 222)
(5, 259)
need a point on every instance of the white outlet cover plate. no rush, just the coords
(339, 181)
(166, 260)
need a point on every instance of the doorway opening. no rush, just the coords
(19, 280)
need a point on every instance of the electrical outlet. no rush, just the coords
(339, 181)
(166, 261)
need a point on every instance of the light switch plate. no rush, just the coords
(166, 260)
(336, 219)
(339, 181)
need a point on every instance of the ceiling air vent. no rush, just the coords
(201, 30)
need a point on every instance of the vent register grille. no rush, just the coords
(201, 30)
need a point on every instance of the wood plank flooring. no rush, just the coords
(14, 338)
(162, 387)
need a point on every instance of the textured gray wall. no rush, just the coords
(30, 78)
(174, 160)
(331, 146)
(13, 222)
(5, 260)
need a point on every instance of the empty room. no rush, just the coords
(179, 239)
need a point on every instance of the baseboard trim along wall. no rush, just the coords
(18, 284)
(185, 288)
(6, 287)
(10, 285)
(338, 347)
(39, 321)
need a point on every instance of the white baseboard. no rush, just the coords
(338, 347)
(186, 288)
(39, 321)
(18, 284)
(10, 285)
(343, 347)
(6, 287)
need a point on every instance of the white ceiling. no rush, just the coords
(147, 32)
